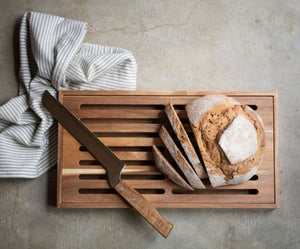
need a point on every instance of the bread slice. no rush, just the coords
(180, 160)
(184, 140)
(164, 166)
(210, 116)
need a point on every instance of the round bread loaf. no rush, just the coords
(230, 137)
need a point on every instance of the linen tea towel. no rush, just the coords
(53, 57)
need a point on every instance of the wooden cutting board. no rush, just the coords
(128, 122)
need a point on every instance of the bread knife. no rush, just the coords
(110, 162)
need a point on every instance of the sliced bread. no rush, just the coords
(164, 166)
(184, 140)
(180, 160)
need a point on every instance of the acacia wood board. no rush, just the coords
(128, 122)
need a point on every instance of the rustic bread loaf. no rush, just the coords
(224, 130)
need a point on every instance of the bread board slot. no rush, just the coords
(112, 191)
(127, 162)
(216, 192)
(121, 107)
(124, 177)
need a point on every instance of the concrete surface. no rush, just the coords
(178, 45)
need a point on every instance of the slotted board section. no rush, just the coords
(128, 122)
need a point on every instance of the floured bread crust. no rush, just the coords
(239, 140)
(209, 119)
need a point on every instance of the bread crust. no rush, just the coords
(191, 176)
(185, 141)
(209, 117)
(164, 166)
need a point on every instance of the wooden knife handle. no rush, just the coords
(145, 208)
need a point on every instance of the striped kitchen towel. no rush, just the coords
(53, 57)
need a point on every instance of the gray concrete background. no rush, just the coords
(178, 45)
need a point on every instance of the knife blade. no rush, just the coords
(110, 162)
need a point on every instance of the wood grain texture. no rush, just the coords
(276, 149)
(82, 181)
(59, 157)
(145, 208)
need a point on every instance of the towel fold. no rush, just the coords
(53, 57)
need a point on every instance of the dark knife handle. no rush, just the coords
(145, 208)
